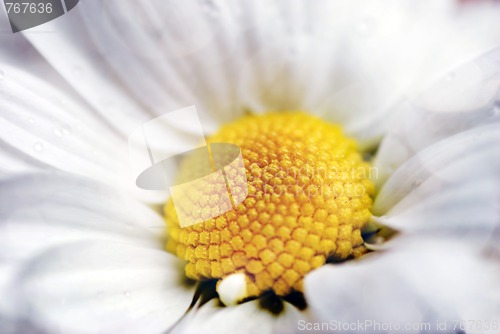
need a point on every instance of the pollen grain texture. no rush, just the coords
(309, 195)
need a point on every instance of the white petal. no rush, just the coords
(393, 51)
(170, 63)
(15, 326)
(14, 161)
(44, 127)
(86, 72)
(43, 211)
(450, 187)
(353, 62)
(40, 211)
(93, 287)
(117, 57)
(245, 318)
(9, 303)
(18, 53)
(330, 57)
(35, 120)
(464, 99)
(284, 51)
(46, 121)
(415, 282)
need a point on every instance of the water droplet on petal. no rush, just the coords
(38, 146)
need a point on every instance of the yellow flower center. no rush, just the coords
(308, 198)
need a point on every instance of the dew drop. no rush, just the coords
(38, 146)
(62, 131)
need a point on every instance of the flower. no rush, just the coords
(415, 84)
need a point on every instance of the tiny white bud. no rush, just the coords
(232, 289)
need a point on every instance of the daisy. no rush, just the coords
(369, 133)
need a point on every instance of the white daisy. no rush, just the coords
(415, 84)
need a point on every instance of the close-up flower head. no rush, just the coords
(258, 166)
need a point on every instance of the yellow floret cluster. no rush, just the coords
(309, 195)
